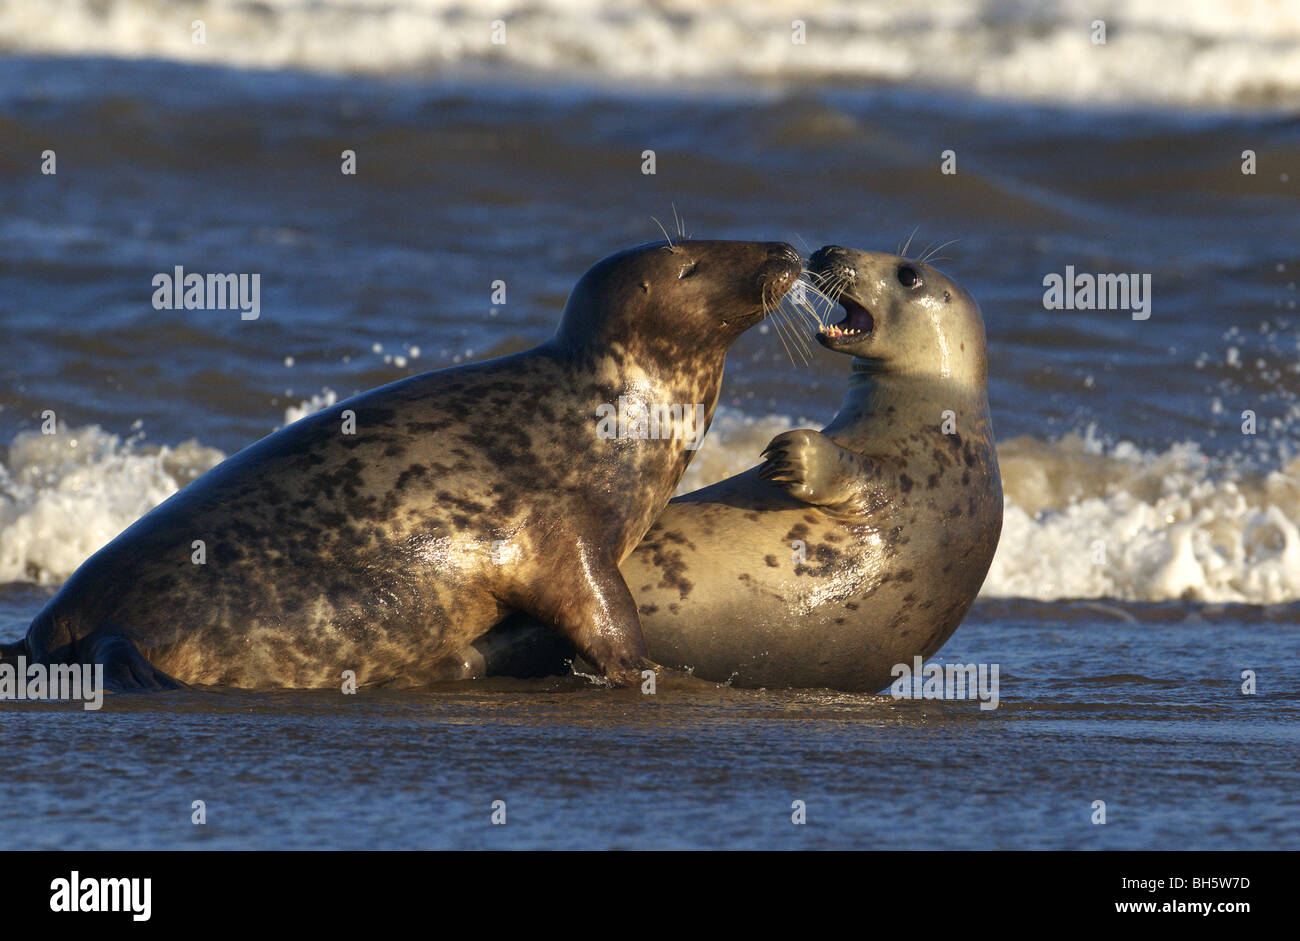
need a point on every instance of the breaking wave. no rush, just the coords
(1084, 519)
(1195, 53)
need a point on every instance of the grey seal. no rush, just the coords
(848, 550)
(460, 495)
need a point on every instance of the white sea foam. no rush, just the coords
(63, 496)
(1083, 519)
(1197, 52)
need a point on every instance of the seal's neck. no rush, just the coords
(659, 364)
(883, 406)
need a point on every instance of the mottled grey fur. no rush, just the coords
(374, 551)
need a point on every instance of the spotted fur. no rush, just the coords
(374, 552)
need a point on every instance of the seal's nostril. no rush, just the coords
(783, 250)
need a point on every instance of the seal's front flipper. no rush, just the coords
(812, 468)
(125, 668)
(591, 606)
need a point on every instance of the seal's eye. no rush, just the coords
(688, 270)
(908, 276)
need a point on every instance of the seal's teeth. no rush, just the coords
(836, 332)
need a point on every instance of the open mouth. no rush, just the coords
(857, 323)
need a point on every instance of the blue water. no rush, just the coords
(1146, 715)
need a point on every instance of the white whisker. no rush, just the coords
(908, 244)
(665, 232)
(938, 248)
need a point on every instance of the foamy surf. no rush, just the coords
(64, 496)
(1084, 519)
(1197, 53)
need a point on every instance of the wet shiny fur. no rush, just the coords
(463, 494)
(848, 550)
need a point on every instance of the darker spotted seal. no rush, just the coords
(462, 495)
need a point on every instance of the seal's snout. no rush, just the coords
(784, 251)
(833, 266)
(783, 265)
(778, 273)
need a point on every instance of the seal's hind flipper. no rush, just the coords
(125, 668)
(523, 648)
(11, 652)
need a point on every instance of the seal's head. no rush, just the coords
(655, 297)
(901, 316)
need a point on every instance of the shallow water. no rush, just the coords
(1120, 676)
(1136, 705)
